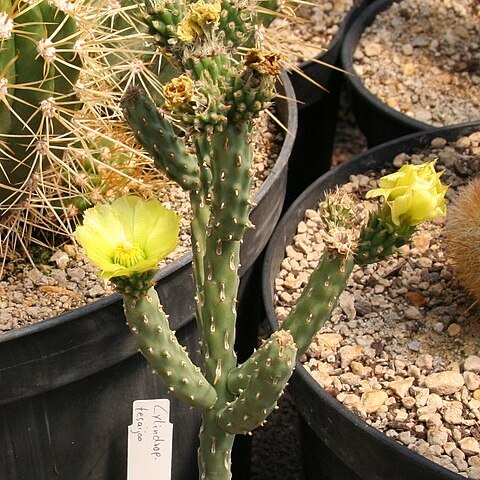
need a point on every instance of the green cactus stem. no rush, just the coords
(231, 181)
(239, 376)
(318, 298)
(381, 237)
(274, 366)
(160, 347)
(157, 135)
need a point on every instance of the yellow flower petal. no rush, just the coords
(414, 194)
(399, 207)
(129, 236)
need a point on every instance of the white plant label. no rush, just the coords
(150, 441)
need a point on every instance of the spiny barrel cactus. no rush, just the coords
(39, 69)
(60, 64)
(462, 232)
(201, 139)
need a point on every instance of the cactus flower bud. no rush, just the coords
(414, 194)
(129, 236)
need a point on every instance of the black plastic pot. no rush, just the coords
(318, 109)
(339, 445)
(67, 383)
(379, 122)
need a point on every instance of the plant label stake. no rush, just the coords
(150, 441)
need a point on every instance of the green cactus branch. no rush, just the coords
(201, 216)
(381, 238)
(319, 297)
(215, 450)
(218, 311)
(239, 377)
(274, 365)
(160, 347)
(157, 135)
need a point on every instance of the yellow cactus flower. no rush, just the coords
(129, 236)
(414, 194)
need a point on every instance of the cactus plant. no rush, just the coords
(462, 234)
(59, 111)
(39, 70)
(201, 139)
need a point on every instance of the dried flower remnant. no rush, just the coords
(178, 92)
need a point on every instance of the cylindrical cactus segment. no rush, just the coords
(239, 376)
(318, 299)
(38, 68)
(238, 25)
(157, 136)
(160, 347)
(275, 365)
(231, 180)
(380, 238)
(163, 20)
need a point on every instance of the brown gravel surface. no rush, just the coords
(422, 58)
(317, 22)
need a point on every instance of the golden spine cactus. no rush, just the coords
(63, 146)
(462, 233)
(40, 66)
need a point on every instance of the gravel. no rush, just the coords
(422, 58)
(65, 279)
(401, 349)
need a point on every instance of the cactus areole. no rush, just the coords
(38, 69)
